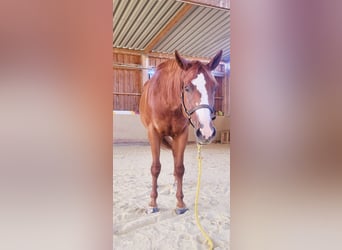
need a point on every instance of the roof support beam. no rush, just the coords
(185, 9)
(221, 4)
(172, 56)
(155, 54)
(127, 51)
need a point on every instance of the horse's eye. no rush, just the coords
(187, 88)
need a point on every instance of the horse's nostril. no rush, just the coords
(205, 139)
(198, 133)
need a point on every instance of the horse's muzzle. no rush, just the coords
(201, 139)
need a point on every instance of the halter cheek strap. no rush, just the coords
(191, 111)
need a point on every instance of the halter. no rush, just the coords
(191, 111)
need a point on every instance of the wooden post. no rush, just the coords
(144, 71)
(226, 92)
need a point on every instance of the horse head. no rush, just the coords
(198, 95)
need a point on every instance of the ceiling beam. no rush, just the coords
(172, 56)
(127, 51)
(183, 11)
(221, 4)
(156, 54)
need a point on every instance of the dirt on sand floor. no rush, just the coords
(134, 229)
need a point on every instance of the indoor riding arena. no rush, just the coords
(147, 33)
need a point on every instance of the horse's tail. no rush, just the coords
(167, 142)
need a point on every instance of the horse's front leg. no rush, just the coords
(178, 155)
(155, 168)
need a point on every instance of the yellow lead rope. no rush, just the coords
(206, 236)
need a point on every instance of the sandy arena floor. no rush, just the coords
(134, 229)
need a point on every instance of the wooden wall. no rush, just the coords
(130, 72)
(127, 82)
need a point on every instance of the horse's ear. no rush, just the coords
(183, 63)
(215, 61)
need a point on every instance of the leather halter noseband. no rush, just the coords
(200, 106)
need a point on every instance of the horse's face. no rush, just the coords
(198, 95)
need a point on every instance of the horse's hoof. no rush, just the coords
(151, 210)
(181, 210)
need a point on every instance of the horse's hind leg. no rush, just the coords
(178, 155)
(155, 167)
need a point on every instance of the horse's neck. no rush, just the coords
(171, 98)
(168, 88)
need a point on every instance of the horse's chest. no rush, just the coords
(171, 125)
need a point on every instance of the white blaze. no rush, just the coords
(203, 114)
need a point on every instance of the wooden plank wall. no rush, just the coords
(219, 95)
(155, 61)
(128, 81)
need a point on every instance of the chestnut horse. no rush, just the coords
(180, 93)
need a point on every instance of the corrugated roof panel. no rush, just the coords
(140, 36)
(161, 16)
(137, 22)
(200, 33)
(203, 31)
(180, 34)
(137, 17)
(124, 14)
(193, 32)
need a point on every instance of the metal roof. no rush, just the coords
(200, 32)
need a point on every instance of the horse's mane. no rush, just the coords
(167, 82)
